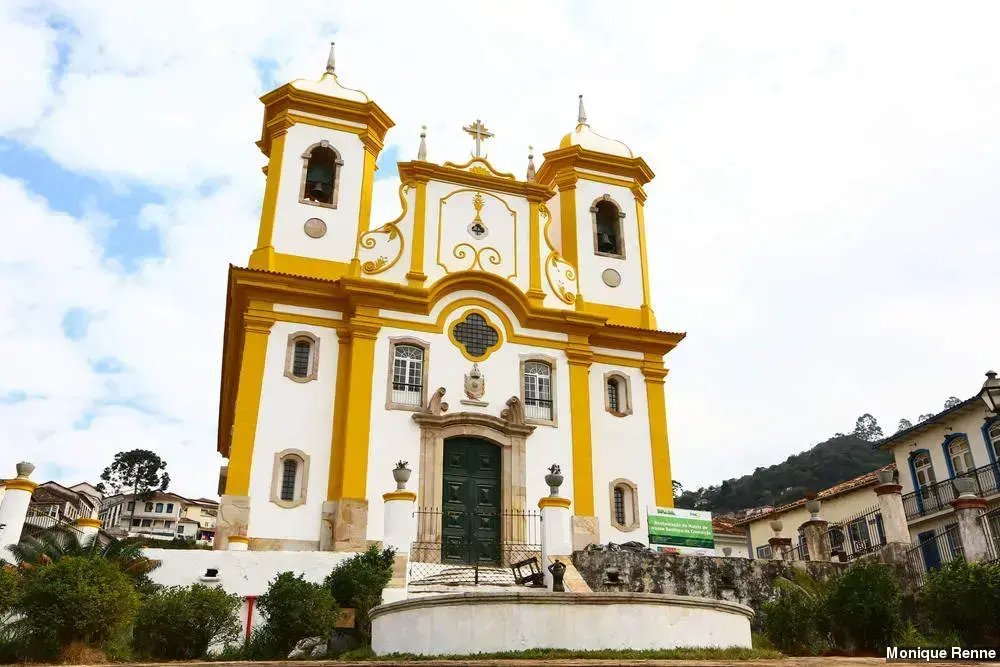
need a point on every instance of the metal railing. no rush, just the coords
(407, 394)
(483, 547)
(39, 520)
(936, 497)
(933, 552)
(989, 520)
(537, 408)
(857, 535)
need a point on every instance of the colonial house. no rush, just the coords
(163, 517)
(962, 441)
(850, 508)
(730, 539)
(54, 504)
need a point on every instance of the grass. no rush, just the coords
(732, 653)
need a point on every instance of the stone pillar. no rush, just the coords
(14, 508)
(968, 508)
(88, 527)
(557, 532)
(815, 532)
(344, 525)
(780, 548)
(239, 543)
(233, 519)
(890, 503)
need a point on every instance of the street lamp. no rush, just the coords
(991, 392)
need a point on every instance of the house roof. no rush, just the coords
(726, 525)
(853, 484)
(916, 429)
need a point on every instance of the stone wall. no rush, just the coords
(750, 582)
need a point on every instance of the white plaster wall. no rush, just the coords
(452, 221)
(243, 573)
(394, 435)
(969, 422)
(629, 293)
(737, 543)
(460, 625)
(293, 415)
(621, 449)
(342, 222)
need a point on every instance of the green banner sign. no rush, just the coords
(688, 530)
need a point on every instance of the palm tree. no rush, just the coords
(64, 542)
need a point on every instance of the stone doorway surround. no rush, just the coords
(508, 431)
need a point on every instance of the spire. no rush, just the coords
(422, 151)
(331, 64)
(581, 114)
(531, 166)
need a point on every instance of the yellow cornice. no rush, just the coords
(420, 172)
(575, 157)
(400, 495)
(19, 484)
(239, 538)
(550, 501)
(88, 522)
(281, 103)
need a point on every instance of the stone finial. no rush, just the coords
(422, 151)
(331, 64)
(24, 469)
(581, 114)
(531, 166)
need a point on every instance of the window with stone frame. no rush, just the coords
(536, 379)
(624, 499)
(321, 167)
(407, 374)
(289, 478)
(764, 552)
(607, 221)
(302, 356)
(617, 394)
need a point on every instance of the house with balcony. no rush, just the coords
(53, 504)
(165, 516)
(962, 441)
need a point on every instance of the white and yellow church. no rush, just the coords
(497, 326)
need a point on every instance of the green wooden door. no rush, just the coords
(470, 507)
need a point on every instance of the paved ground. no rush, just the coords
(787, 662)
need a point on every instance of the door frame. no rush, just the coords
(509, 432)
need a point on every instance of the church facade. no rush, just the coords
(497, 326)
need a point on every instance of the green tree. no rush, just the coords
(964, 599)
(77, 599)
(952, 402)
(904, 424)
(357, 583)
(867, 428)
(924, 417)
(138, 471)
(865, 608)
(294, 609)
(180, 623)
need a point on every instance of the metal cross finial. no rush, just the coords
(330, 63)
(581, 115)
(479, 131)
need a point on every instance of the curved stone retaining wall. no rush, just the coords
(469, 623)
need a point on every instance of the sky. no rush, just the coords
(824, 222)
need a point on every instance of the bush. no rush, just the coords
(963, 599)
(864, 606)
(794, 623)
(77, 599)
(180, 623)
(357, 583)
(293, 609)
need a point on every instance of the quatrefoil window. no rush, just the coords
(475, 336)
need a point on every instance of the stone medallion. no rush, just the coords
(611, 278)
(315, 228)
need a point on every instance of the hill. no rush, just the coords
(835, 460)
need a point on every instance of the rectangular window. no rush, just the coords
(149, 507)
(136, 522)
(159, 508)
(170, 508)
(764, 552)
(130, 506)
(168, 524)
(180, 529)
(146, 523)
(537, 390)
(158, 523)
(407, 375)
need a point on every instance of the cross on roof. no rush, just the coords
(479, 131)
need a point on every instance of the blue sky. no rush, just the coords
(823, 221)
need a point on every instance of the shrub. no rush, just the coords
(76, 599)
(358, 582)
(864, 606)
(293, 609)
(180, 623)
(793, 622)
(963, 599)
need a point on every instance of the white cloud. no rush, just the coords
(824, 217)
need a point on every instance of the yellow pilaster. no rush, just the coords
(355, 412)
(257, 323)
(659, 444)
(567, 220)
(416, 276)
(535, 294)
(263, 256)
(580, 358)
(343, 387)
(367, 183)
(648, 320)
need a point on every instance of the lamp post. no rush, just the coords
(991, 392)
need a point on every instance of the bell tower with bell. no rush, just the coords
(321, 140)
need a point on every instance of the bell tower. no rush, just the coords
(321, 140)
(600, 202)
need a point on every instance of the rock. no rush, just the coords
(634, 546)
(343, 640)
(310, 647)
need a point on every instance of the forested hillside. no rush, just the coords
(830, 462)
